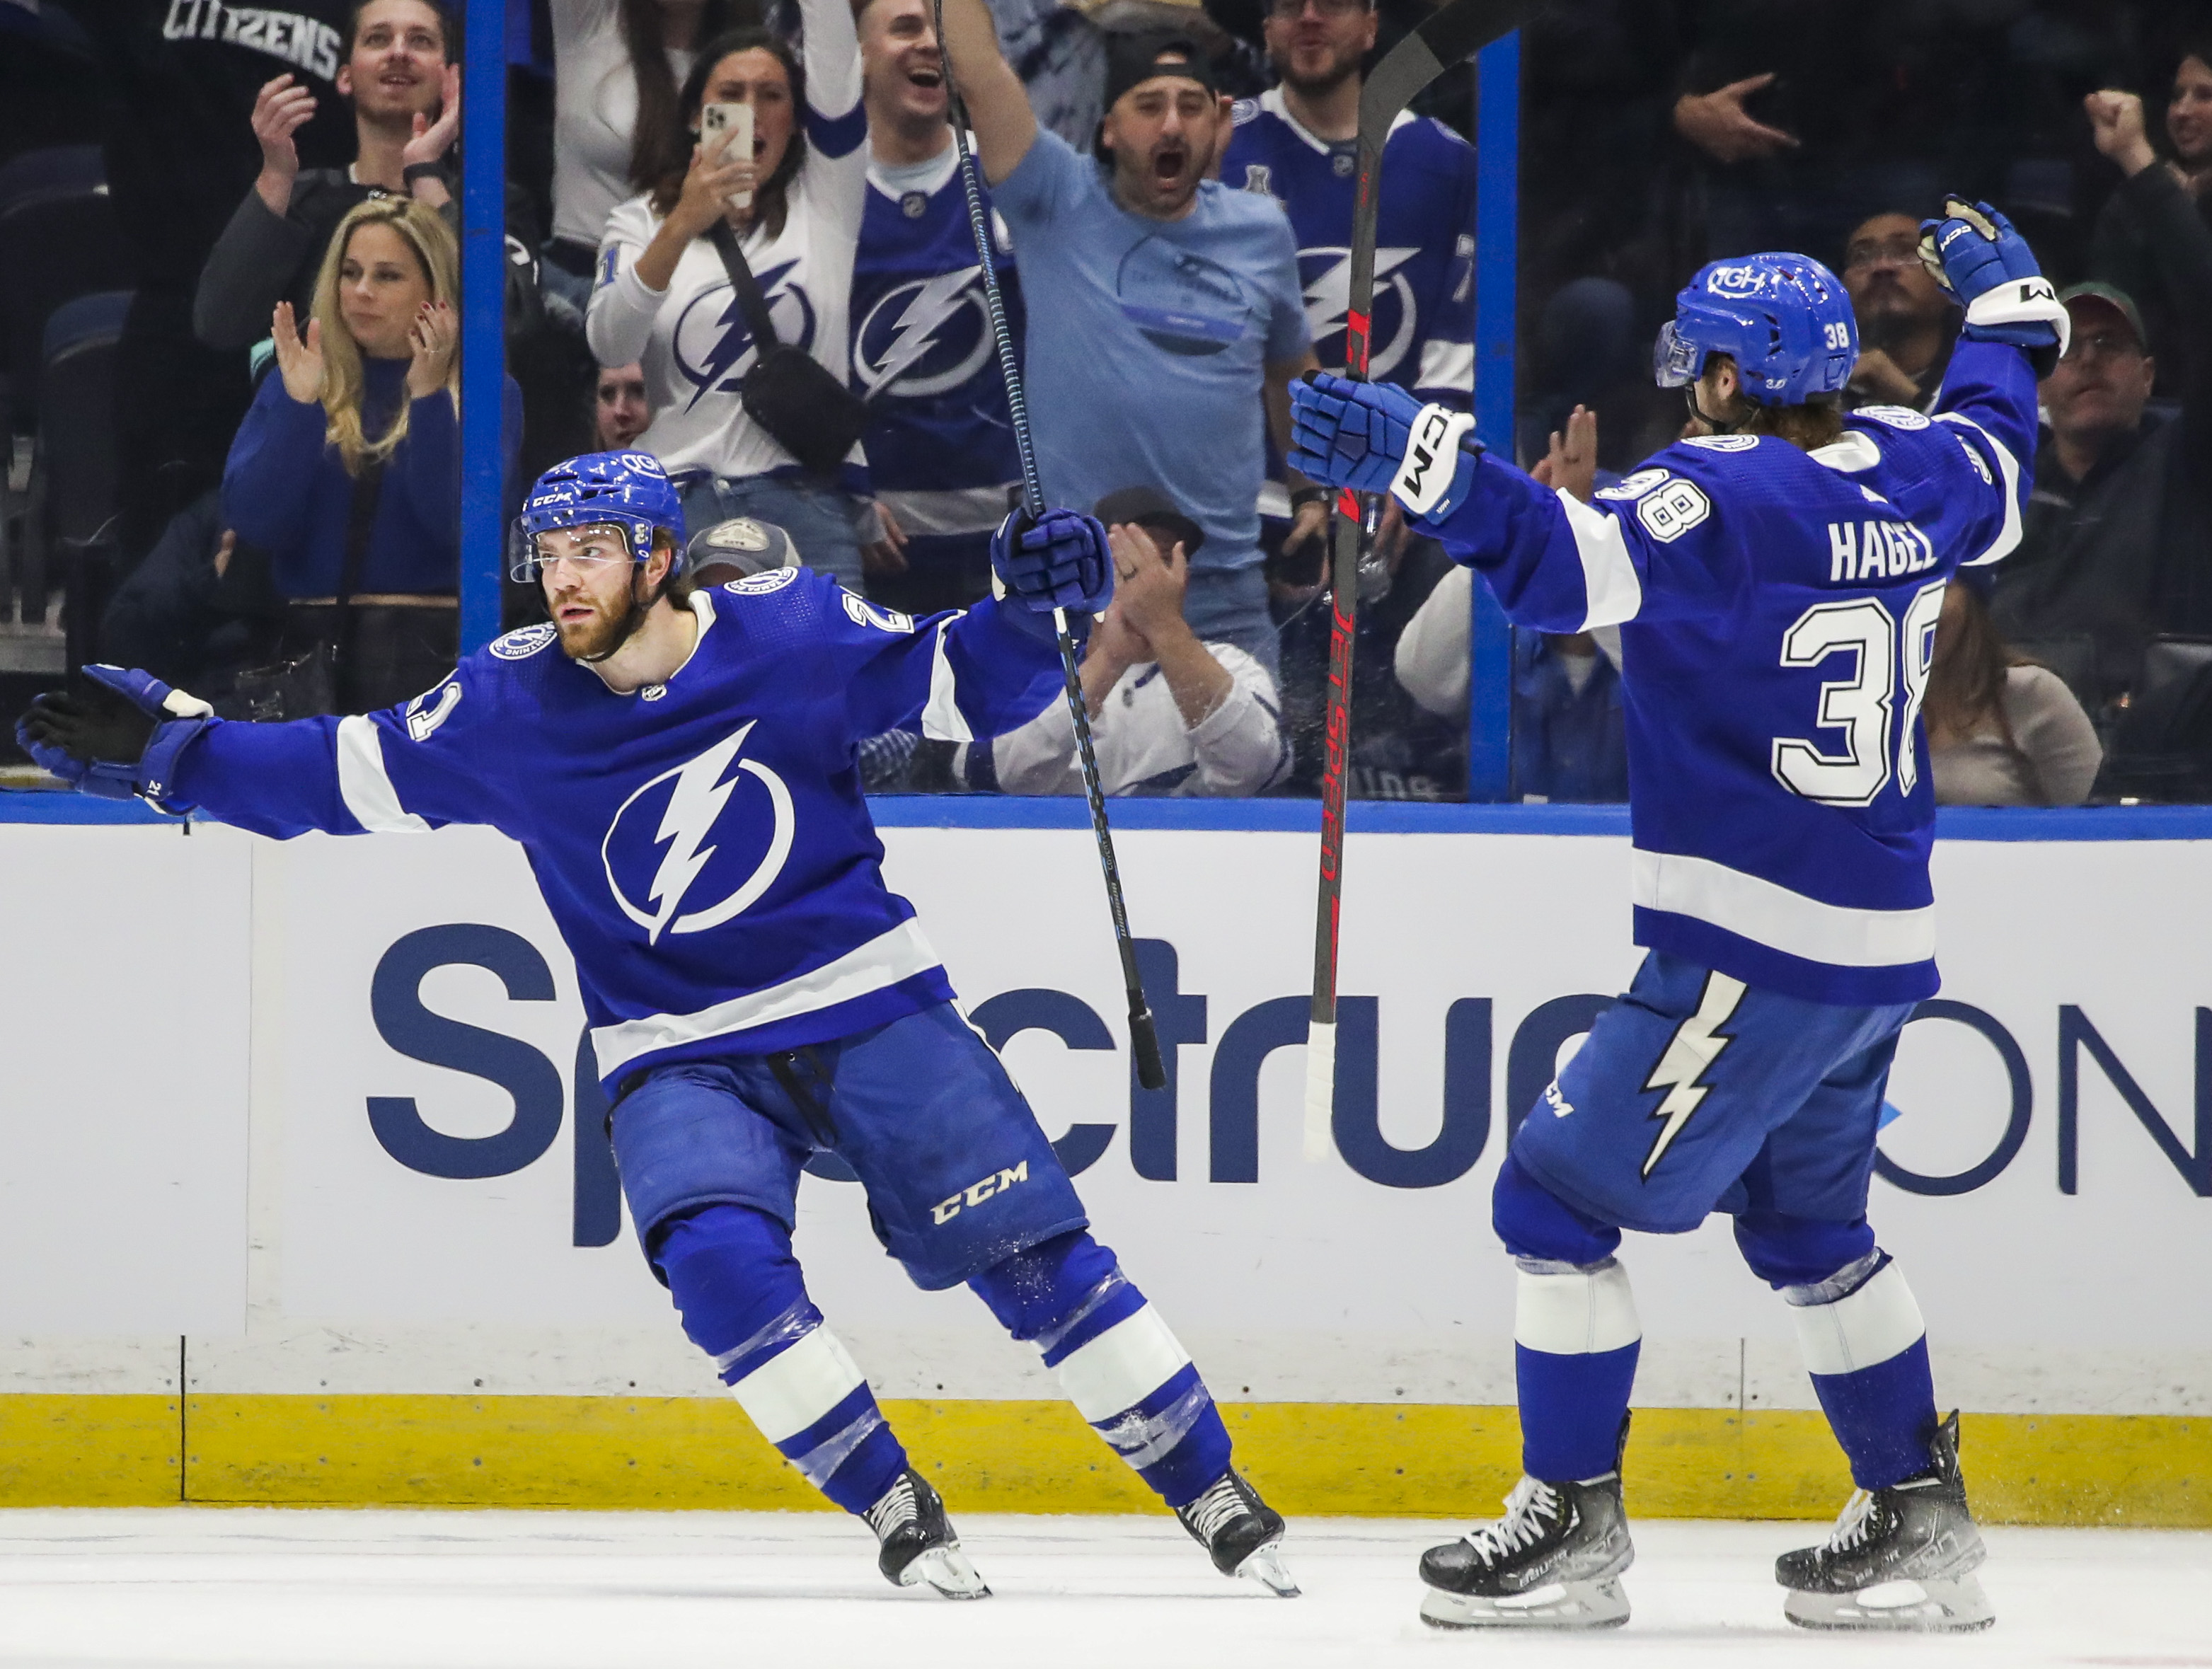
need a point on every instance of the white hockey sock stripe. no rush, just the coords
(794, 1388)
(1575, 1311)
(1867, 1325)
(1122, 1366)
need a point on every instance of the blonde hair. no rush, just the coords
(424, 231)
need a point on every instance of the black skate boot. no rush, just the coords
(1553, 1561)
(1240, 1533)
(1900, 1558)
(919, 1544)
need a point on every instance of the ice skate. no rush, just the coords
(1241, 1533)
(1900, 1558)
(1553, 1561)
(919, 1543)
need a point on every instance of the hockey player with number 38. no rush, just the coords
(678, 768)
(1777, 577)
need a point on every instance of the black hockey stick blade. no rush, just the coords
(1453, 33)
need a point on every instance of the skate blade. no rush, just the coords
(948, 1570)
(1264, 1566)
(1599, 1605)
(1956, 1606)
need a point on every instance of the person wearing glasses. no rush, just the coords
(1908, 324)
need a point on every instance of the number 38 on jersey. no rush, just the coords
(1877, 655)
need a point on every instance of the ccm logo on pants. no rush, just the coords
(976, 1193)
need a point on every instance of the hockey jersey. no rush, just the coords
(692, 338)
(703, 845)
(1423, 331)
(940, 442)
(1777, 614)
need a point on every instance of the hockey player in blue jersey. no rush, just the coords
(941, 443)
(1777, 577)
(678, 769)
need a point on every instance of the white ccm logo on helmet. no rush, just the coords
(703, 786)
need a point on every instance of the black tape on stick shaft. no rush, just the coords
(1144, 1040)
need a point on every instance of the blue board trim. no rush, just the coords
(483, 324)
(1960, 823)
(1497, 273)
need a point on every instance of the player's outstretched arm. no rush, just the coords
(129, 735)
(992, 668)
(1553, 562)
(2016, 328)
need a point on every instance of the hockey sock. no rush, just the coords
(1866, 1348)
(1117, 1359)
(744, 1302)
(1575, 1343)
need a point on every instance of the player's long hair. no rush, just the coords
(424, 231)
(1815, 424)
(1967, 679)
(658, 141)
(769, 195)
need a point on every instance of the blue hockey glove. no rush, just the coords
(119, 738)
(1059, 561)
(1376, 438)
(1974, 253)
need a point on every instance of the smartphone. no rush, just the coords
(727, 130)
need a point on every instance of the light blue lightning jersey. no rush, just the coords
(703, 845)
(940, 442)
(1777, 614)
(1422, 336)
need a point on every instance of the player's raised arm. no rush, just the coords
(1554, 562)
(993, 667)
(2015, 328)
(130, 734)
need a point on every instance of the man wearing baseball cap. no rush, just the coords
(2119, 527)
(1165, 319)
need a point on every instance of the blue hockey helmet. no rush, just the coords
(1783, 318)
(629, 489)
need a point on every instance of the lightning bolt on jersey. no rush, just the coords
(691, 337)
(940, 444)
(1423, 332)
(703, 845)
(1777, 614)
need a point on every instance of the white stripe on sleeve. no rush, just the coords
(1769, 914)
(2008, 467)
(364, 784)
(1446, 365)
(942, 719)
(1615, 594)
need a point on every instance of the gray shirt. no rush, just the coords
(2051, 760)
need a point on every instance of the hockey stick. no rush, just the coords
(1144, 1038)
(1455, 31)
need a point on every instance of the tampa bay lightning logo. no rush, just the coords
(699, 844)
(712, 346)
(1325, 279)
(1183, 302)
(925, 337)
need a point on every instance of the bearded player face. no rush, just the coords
(593, 588)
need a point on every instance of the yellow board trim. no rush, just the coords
(1356, 1458)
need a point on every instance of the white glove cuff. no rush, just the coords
(1432, 458)
(2023, 302)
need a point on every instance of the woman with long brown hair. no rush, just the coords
(791, 209)
(347, 470)
(618, 67)
(2001, 731)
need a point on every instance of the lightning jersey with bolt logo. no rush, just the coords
(1423, 332)
(702, 844)
(940, 442)
(691, 337)
(1777, 611)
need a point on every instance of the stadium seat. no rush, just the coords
(2162, 747)
(55, 168)
(55, 246)
(73, 472)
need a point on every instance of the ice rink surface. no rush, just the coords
(489, 1590)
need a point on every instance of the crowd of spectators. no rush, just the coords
(1169, 189)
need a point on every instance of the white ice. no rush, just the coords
(494, 1590)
